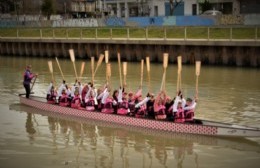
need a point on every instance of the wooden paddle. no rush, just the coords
(197, 68)
(72, 57)
(106, 56)
(124, 71)
(142, 73)
(82, 69)
(179, 62)
(51, 70)
(119, 68)
(101, 57)
(92, 69)
(108, 72)
(148, 72)
(165, 65)
(60, 68)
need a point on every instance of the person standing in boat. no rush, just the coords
(28, 76)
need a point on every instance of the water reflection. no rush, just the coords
(30, 127)
(108, 145)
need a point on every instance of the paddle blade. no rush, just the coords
(106, 56)
(72, 56)
(165, 60)
(198, 65)
(148, 64)
(50, 66)
(124, 68)
(179, 60)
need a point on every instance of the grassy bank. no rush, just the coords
(151, 32)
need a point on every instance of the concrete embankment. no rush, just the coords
(212, 52)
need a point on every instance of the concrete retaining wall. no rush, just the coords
(211, 54)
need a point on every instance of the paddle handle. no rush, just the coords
(108, 72)
(59, 68)
(33, 83)
(92, 69)
(142, 73)
(101, 57)
(82, 69)
(119, 68)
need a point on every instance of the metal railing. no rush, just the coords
(133, 33)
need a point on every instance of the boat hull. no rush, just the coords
(140, 122)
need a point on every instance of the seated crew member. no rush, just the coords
(90, 100)
(131, 104)
(140, 107)
(122, 108)
(149, 106)
(107, 102)
(178, 109)
(51, 94)
(62, 86)
(159, 106)
(64, 98)
(76, 101)
(168, 108)
(189, 109)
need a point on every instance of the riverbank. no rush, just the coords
(232, 46)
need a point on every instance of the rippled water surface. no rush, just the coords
(33, 138)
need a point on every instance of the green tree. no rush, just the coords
(173, 5)
(48, 8)
(206, 5)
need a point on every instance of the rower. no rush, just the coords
(189, 109)
(76, 101)
(107, 102)
(90, 99)
(159, 106)
(178, 111)
(140, 107)
(122, 108)
(64, 98)
(51, 94)
(149, 106)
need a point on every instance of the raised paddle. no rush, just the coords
(148, 72)
(119, 68)
(101, 57)
(82, 69)
(165, 65)
(124, 71)
(197, 68)
(179, 62)
(92, 69)
(142, 73)
(51, 70)
(59, 68)
(72, 57)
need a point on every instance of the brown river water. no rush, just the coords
(33, 138)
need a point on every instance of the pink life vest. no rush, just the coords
(76, 102)
(160, 114)
(122, 108)
(64, 100)
(108, 107)
(141, 112)
(90, 105)
(189, 114)
(180, 116)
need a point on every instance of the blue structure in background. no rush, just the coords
(115, 21)
(178, 11)
(147, 21)
(194, 21)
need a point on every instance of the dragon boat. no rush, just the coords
(200, 127)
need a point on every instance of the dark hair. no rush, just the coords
(189, 100)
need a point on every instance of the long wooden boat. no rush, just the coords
(204, 128)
